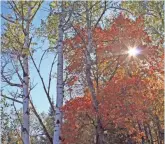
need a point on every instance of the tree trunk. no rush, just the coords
(146, 132)
(150, 133)
(141, 130)
(159, 130)
(99, 129)
(26, 112)
(99, 133)
(59, 100)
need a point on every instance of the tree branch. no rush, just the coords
(51, 73)
(101, 15)
(41, 122)
(11, 99)
(43, 84)
(7, 19)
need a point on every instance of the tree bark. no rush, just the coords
(159, 130)
(141, 130)
(146, 132)
(26, 112)
(150, 133)
(99, 129)
(59, 99)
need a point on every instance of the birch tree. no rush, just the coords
(59, 99)
(16, 42)
(26, 112)
(57, 25)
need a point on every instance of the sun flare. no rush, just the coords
(133, 51)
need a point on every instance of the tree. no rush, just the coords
(49, 123)
(109, 68)
(19, 46)
(152, 11)
(112, 47)
(59, 26)
(59, 101)
(10, 127)
(88, 6)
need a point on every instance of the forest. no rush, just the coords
(82, 72)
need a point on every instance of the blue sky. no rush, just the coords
(38, 95)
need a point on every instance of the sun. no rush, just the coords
(133, 51)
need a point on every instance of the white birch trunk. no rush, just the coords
(26, 112)
(59, 98)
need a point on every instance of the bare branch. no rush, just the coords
(14, 8)
(36, 9)
(50, 78)
(7, 19)
(41, 122)
(120, 8)
(101, 15)
(9, 82)
(15, 100)
(43, 83)
(16, 70)
(113, 73)
(41, 59)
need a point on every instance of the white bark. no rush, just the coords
(26, 112)
(59, 98)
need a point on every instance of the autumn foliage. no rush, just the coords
(106, 58)
(129, 89)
